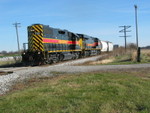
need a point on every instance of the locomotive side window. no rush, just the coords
(58, 34)
(61, 32)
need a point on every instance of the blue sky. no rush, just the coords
(99, 18)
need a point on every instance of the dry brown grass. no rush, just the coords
(131, 54)
(105, 61)
(119, 56)
(146, 52)
(118, 51)
(134, 56)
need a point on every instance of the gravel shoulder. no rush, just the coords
(6, 81)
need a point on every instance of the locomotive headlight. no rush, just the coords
(32, 30)
(38, 52)
(24, 53)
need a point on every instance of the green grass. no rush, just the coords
(2, 63)
(113, 92)
(6, 63)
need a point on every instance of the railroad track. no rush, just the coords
(11, 69)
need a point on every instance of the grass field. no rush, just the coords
(98, 92)
(145, 55)
(3, 63)
(131, 57)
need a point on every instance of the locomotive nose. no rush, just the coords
(35, 35)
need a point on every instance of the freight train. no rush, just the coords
(48, 45)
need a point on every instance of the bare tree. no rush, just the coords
(131, 46)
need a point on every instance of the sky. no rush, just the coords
(97, 18)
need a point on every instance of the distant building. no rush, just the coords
(116, 46)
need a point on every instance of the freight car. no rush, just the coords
(106, 46)
(48, 45)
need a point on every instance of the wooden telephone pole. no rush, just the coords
(16, 25)
(137, 43)
(124, 30)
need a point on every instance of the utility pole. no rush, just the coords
(16, 25)
(136, 23)
(124, 30)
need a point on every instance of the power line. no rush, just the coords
(16, 25)
(124, 30)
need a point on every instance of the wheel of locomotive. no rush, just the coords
(40, 60)
(77, 55)
(49, 61)
(61, 57)
(89, 53)
(98, 52)
(56, 59)
(80, 55)
(83, 54)
(74, 56)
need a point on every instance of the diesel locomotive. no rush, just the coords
(47, 45)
